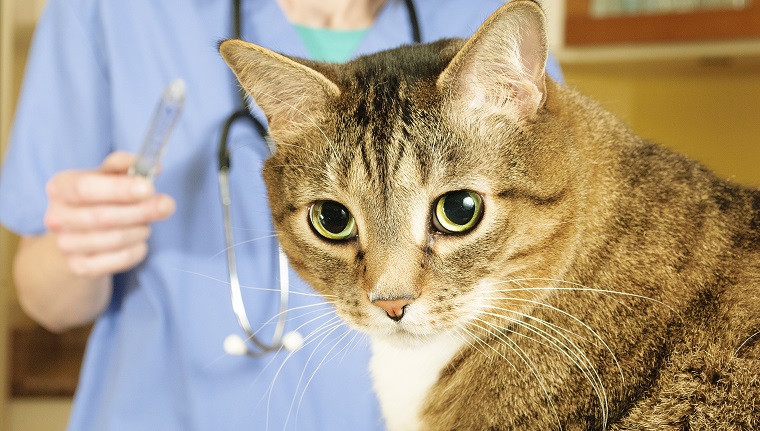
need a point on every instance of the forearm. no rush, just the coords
(51, 292)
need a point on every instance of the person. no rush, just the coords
(146, 260)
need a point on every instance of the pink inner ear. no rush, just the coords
(520, 63)
(500, 71)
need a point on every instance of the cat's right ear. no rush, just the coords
(501, 69)
(288, 92)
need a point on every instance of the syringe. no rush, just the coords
(164, 119)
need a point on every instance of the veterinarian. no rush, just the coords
(146, 260)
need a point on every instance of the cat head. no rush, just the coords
(422, 189)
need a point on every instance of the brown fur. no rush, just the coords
(583, 222)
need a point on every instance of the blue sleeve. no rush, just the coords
(62, 119)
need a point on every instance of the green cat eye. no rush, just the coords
(332, 220)
(458, 211)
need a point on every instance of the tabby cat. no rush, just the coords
(519, 258)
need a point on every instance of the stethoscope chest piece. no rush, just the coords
(236, 346)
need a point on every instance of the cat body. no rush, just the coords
(519, 258)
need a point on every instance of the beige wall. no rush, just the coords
(4, 267)
(17, 19)
(709, 110)
(6, 243)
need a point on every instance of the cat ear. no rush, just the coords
(288, 92)
(501, 69)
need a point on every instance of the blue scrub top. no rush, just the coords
(155, 358)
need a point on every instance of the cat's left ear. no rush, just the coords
(288, 92)
(501, 69)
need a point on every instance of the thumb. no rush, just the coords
(118, 162)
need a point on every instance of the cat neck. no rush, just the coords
(403, 375)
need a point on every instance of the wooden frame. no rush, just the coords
(7, 242)
(46, 364)
(581, 29)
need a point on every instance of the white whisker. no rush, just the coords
(328, 326)
(316, 369)
(523, 357)
(275, 356)
(292, 165)
(468, 340)
(226, 282)
(301, 147)
(308, 361)
(570, 350)
(582, 323)
(744, 343)
(308, 117)
(247, 241)
(577, 288)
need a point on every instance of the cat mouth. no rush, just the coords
(413, 320)
(408, 325)
(404, 336)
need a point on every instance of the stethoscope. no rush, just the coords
(251, 345)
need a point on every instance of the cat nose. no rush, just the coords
(393, 308)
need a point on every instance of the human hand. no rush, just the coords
(101, 218)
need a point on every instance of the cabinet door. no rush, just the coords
(584, 27)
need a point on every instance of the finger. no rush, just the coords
(93, 242)
(118, 162)
(92, 187)
(62, 218)
(101, 264)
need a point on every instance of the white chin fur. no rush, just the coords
(403, 373)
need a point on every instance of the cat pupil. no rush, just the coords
(334, 217)
(459, 207)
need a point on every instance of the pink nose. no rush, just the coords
(393, 308)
